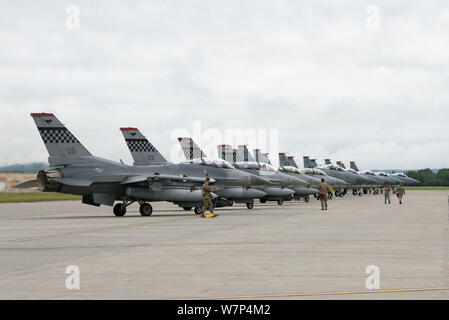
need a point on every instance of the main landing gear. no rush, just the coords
(145, 208)
(250, 205)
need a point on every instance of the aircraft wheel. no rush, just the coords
(337, 193)
(354, 192)
(146, 209)
(280, 202)
(198, 210)
(187, 208)
(307, 199)
(342, 195)
(365, 191)
(250, 205)
(360, 194)
(263, 200)
(119, 210)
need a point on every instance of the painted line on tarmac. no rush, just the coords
(310, 294)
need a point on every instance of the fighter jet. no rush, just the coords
(354, 180)
(314, 176)
(281, 188)
(381, 181)
(373, 185)
(102, 182)
(391, 179)
(406, 180)
(285, 182)
(144, 153)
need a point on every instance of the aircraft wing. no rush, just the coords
(27, 184)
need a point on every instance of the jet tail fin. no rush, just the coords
(190, 149)
(292, 162)
(63, 147)
(308, 163)
(142, 151)
(353, 166)
(283, 161)
(261, 157)
(226, 152)
(327, 161)
(341, 164)
(243, 154)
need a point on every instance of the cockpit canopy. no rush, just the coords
(352, 170)
(383, 174)
(211, 162)
(267, 167)
(290, 169)
(333, 167)
(369, 172)
(256, 165)
(313, 171)
(248, 165)
(400, 174)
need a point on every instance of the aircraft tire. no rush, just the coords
(365, 191)
(306, 199)
(280, 202)
(146, 209)
(250, 205)
(119, 210)
(360, 194)
(354, 192)
(263, 200)
(198, 210)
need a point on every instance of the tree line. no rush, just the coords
(430, 178)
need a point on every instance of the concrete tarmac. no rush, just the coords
(293, 251)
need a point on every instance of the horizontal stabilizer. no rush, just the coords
(27, 184)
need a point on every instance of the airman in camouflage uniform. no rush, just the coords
(207, 198)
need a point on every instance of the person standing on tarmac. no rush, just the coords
(387, 193)
(207, 198)
(323, 188)
(400, 192)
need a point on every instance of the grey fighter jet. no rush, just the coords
(288, 166)
(144, 153)
(313, 173)
(391, 179)
(373, 185)
(354, 180)
(100, 181)
(281, 188)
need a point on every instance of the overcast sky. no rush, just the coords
(333, 78)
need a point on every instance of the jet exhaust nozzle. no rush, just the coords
(45, 180)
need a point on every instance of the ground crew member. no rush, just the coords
(323, 188)
(400, 192)
(387, 193)
(207, 198)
